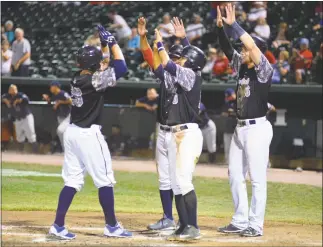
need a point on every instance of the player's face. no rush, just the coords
(175, 60)
(151, 94)
(53, 89)
(182, 61)
(245, 56)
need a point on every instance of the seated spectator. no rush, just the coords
(281, 68)
(5, 58)
(195, 30)
(9, 31)
(133, 46)
(317, 66)
(262, 29)
(149, 102)
(93, 40)
(258, 10)
(166, 29)
(281, 38)
(21, 54)
(221, 65)
(301, 60)
(121, 27)
(270, 56)
(208, 68)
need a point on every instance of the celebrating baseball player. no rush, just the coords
(62, 107)
(208, 129)
(183, 82)
(249, 150)
(18, 103)
(85, 147)
(164, 131)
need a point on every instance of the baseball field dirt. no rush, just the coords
(29, 228)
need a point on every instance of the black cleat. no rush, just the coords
(175, 235)
(230, 229)
(250, 232)
(190, 233)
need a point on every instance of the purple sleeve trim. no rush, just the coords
(171, 68)
(120, 68)
(159, 72)
(185, 42)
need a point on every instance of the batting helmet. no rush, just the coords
(262, 44)
(175, 51)
(196, 59)
(89, 57)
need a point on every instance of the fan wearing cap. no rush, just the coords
(62, 107)
(182, 81)
(249, 149)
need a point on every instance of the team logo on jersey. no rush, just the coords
(175, 99)
(77, 99)
(244, 88)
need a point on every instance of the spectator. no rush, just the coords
(133, 46)
(281, 68)
(208, 68)
(6, 58)
(166, 29)
(149, 102)
(121, 26)
(317, 66)
(9, 31)
(258, 10)
(221, 65)
(262, 29)
(301, 60)
(195, 30)
(93, 40)
(241, 15)
(281, 38)
(3, 34)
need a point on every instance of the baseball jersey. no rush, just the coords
(63, 110)
(253, 87)
(145, 100)
(21, 110)
(87, 93)
(204, 117)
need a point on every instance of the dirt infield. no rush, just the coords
(30, 228)
(273, 175)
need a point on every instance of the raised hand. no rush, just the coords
(142, 26)
(231, 14)
(158, 37)
(179, 28)
(106, 37)
(219, 21)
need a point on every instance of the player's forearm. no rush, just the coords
(225, 43)
(144, 45)
(162, 54)
(106, 53)
(185, 42)
(66, 102)
(156, 58)
(119, 63)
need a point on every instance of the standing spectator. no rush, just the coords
(21, 54)
(3, 34)
(208, 68)
(18, 103)
(93, 40)
(166, 29)
(281, 68)
(9, 31)
(149, 102)
(258, 10)
(301, 60)
(221, 65)
(281, 38)
(133, 47)
(262, 29)
(317, 66)
(195, 30)
(6, 57)
(121, 27)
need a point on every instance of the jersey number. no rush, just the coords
(77, 99)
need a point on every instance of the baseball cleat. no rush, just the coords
(116, 231)
(61, 233)
(163, 224)
(190, 233)
(250, 232)
(175, 235)
(230, 229)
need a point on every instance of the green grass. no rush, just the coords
(138, 192)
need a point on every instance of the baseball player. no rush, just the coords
(208, 129)
(249, 150)
(85, 147)
(163, 137)
(182, 81)
(62, 107)
(18, 103)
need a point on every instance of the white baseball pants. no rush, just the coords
(86, 151)
(227, 137)
(25, 128)
(209, 136)
(62, 125)
(249, 152)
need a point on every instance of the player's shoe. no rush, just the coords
(175, 235)
(190, 233)
(230, 229)
(60, 233)
(116, 231)
(250, 232)
(164, 224)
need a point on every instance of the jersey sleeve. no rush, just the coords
(66, 96)
(24, 97)
(264, 70)
(148, 57)
(103, 79)
(236, 61)
(185, 77)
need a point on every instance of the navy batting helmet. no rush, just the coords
(196, 59)
(175, 51)
(262, 44)
(89, 57)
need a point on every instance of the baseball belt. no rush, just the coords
(174, 129)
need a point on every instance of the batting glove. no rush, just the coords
(106, 37)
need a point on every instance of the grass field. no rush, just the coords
(138, 192)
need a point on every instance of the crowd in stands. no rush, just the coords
(294, 56)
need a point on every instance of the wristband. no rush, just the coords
(160, 46)
(237, 29)
(185, 42)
